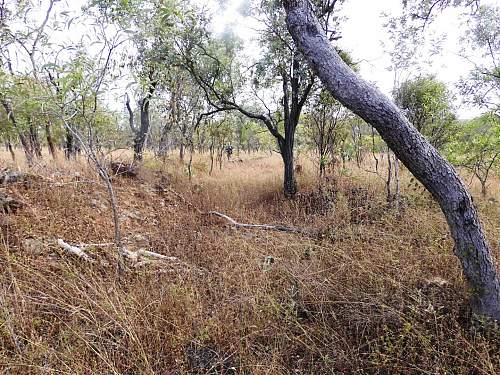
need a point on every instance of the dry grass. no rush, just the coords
(378, 293)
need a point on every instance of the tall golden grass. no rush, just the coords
(378, 292)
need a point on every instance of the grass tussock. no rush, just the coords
(377, 292)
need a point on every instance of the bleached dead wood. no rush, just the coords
(138, 258)
(102, 244)
(279, 228)
(74, 250)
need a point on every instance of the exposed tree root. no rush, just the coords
(278, 228)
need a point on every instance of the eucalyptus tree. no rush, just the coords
(21, 34)
(277, 85)
(427, 104)
(476, 146)
(326, 124)
(416, 153)
(482, 41)
(151, 25)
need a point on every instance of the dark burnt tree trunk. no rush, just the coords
(141, 132)
(8, 145)
(35, 140)
(69, 149)
(25, 142)
(293, 101)
(50, 140)
(409, 146)
(140, 136)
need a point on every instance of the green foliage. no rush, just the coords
(476, 146)
(482, 86)
(426, 102)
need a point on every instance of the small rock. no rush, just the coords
(268, 260)
(8, 204)
(131, 215)
(10, 177)
(33, 245)
(98, 204)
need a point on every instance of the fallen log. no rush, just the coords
(279, 228)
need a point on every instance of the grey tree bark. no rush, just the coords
(412, 149)
(141, 132)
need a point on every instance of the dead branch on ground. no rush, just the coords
(279, 228)
(138, 258)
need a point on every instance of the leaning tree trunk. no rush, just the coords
(416, 153)
(22, 138)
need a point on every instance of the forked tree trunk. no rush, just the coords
(414, 151)
(140, 135)
(142, 132)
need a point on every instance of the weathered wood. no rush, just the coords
(74, 250)
(279, 228)
(137, 258)
(416, 153)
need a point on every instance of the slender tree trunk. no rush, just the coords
(70, 149)
(181, 151)
(35, 141)
(22, 138)
(211, 157)
(396, 178)
(414, 151)
(50, 140)
(374, 151)
(289, 182)
(8, 144)
(190, 164)
(388, 183)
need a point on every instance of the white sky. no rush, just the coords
(362, 36)
(363, 33)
